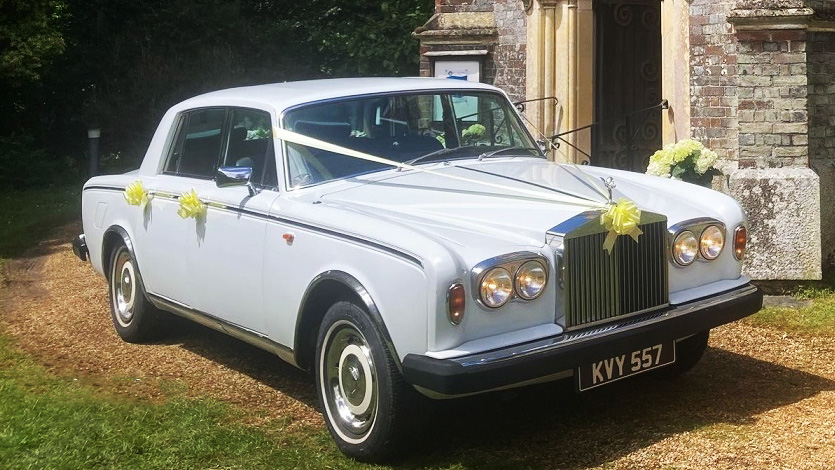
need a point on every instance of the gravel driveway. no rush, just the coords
(760, 399)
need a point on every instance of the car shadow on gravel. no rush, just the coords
(243, 358)
(551, 426)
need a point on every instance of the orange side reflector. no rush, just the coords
(456, 302)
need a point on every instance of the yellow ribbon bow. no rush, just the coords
(191, 205)
(620, 219)
(135, 194)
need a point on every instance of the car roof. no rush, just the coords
(289, 94)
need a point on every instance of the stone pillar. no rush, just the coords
(675, 81)
(541, 55)
(774, 182)
(560, 63)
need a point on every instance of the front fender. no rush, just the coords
(322, 292)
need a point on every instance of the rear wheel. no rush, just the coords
(363, 397)
(134, 318)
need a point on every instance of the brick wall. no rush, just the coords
(773, 117)
(509, 55)
(713, 62)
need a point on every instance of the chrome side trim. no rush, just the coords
(379, 246)
(236, 331)
(356, 239)
(104, 187)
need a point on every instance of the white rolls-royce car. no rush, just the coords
(407, 237)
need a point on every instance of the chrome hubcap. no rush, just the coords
(349, 382)
(355, 379)
(124, 288)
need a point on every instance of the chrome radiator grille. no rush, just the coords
(599, 286)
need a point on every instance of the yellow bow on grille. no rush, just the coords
(191, 205)
(620, 219)
(135, 194)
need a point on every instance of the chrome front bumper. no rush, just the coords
(545, 357)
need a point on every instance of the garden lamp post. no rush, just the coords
(93, 135)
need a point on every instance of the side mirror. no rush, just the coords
(228, 176)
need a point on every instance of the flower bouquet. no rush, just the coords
(686, 160)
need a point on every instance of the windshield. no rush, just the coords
(416, 128)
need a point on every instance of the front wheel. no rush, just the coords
(134, 318)
(362, 394)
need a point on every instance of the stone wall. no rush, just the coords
(509, 53)
(460, 6)
(460, 26)
(773, 182)
(784, 216)
(495, 26)
(713, 62)
(820, 52)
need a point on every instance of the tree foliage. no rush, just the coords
(357, 37)
(119, 64)
(29, 38)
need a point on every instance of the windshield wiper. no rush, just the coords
(436, 153)
(445, 151)
(506, 149)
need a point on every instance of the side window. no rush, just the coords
(250, 144)
(197, 145)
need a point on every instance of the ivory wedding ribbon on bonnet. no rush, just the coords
(621, 218)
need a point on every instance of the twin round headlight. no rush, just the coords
(686, 247)
(498, 284)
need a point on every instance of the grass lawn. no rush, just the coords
(56, 423)
(817, 318)
(27, 216)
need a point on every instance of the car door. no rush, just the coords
(190, 159)
(225, 249)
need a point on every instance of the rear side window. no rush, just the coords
(197, 146)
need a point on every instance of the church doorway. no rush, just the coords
(627, 80)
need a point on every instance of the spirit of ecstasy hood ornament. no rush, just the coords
(610, 185)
